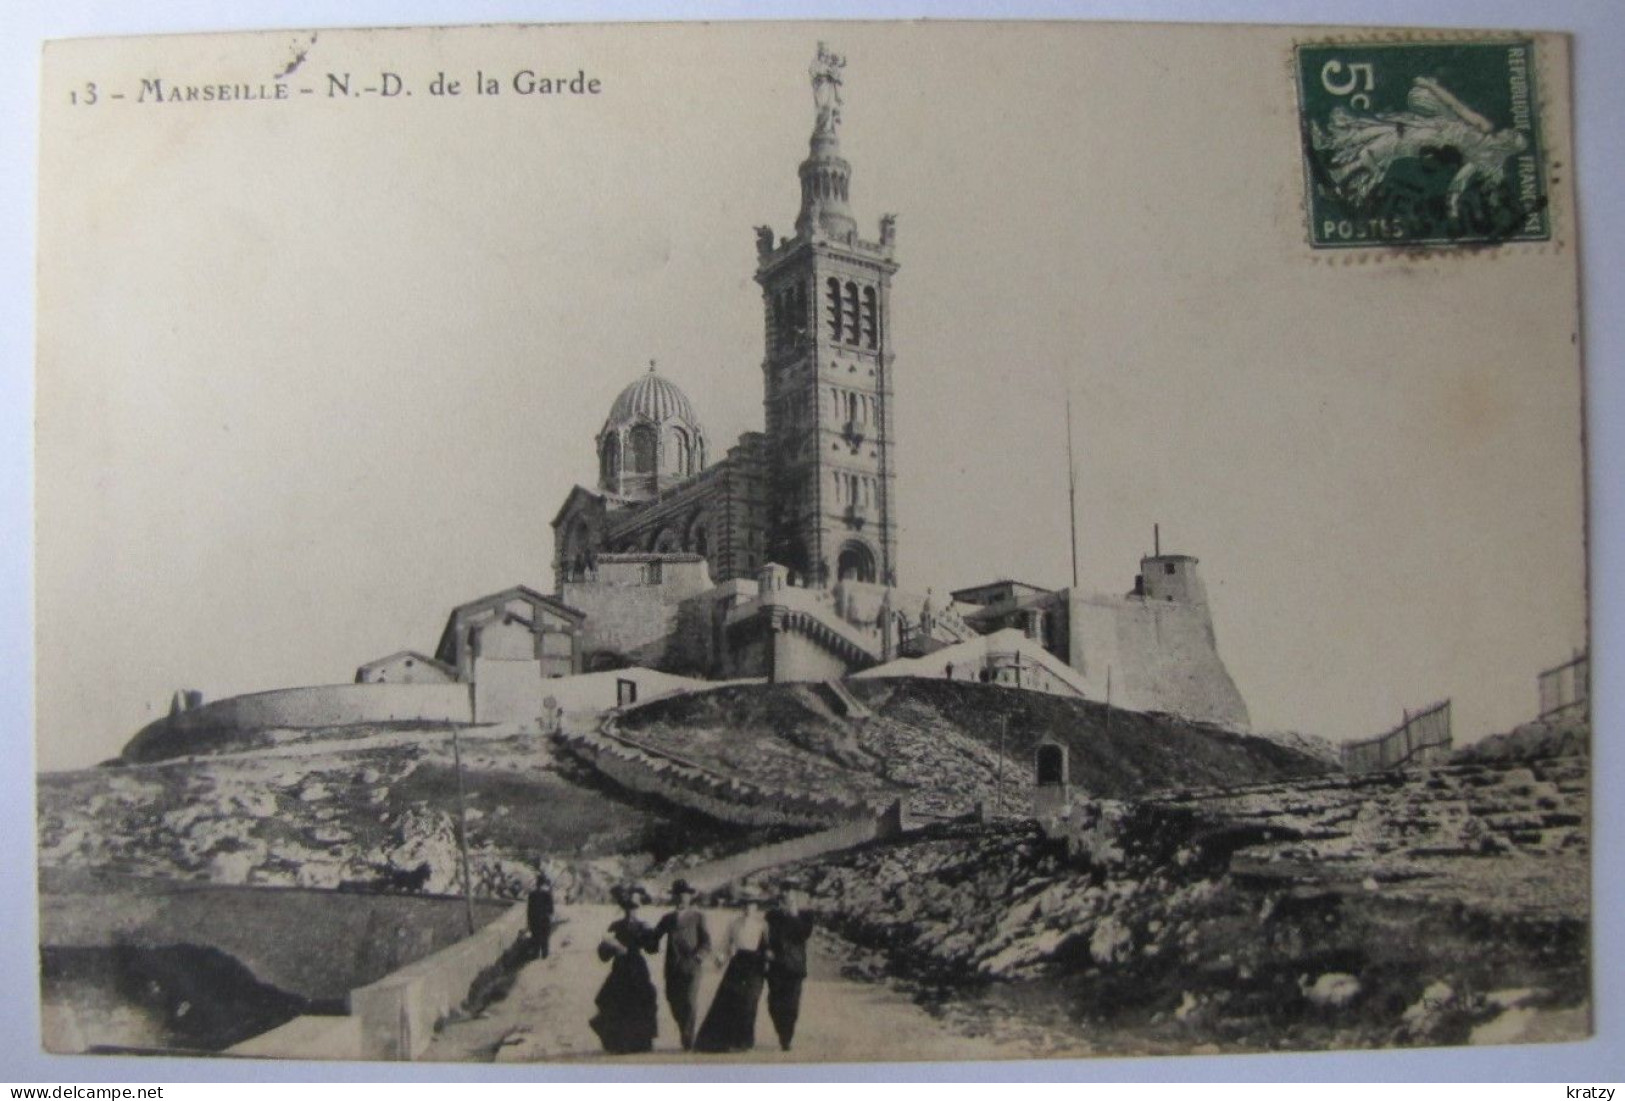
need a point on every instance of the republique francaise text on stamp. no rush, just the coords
(1429, 143)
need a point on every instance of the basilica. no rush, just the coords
(774, 557)
(778, 558)
(815, 491)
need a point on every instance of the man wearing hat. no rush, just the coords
(788, 929)
(688, 943)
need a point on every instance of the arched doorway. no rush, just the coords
(856, 563)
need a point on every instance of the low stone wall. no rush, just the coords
(597, 692)
(312, 943)
(708, 877)
(725, 798)
(296, 708)
(399, 1013)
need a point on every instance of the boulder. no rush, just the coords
(1333, 990)
(1111, 942)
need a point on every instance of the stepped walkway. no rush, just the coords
(849, 705)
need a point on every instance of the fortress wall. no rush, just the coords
(1162, 655)
(338, 704)
(749, 658)
(699, 646)
(295, 708)
(1092, 642)
(798, 658)
(635, 621)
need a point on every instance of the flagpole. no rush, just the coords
(1071, 490)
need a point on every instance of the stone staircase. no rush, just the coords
(638, 766)
(845, 702)
(1452, 831)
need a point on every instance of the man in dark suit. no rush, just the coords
(688, 944)
(788, 929)
(539, 915)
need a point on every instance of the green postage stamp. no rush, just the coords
(1424, 143)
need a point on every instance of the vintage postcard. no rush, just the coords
(796, 543)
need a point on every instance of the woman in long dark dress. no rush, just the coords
(730, 1025)
(628, 1013)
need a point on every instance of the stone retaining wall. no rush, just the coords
(313, 943)
(399, 1013)
(297, 708)
(690, 785)
(710, 876)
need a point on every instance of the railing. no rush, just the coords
(817, 605)
(1565, 690)
(1422, 738)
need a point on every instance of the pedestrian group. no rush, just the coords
(758, 949)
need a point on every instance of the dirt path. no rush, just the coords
(544, 1016)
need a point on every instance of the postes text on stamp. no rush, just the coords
(1421, 143)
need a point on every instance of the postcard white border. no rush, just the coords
(1599, 57)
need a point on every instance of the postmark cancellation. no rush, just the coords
(1432, 143)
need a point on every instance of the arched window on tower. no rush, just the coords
(677, 452)
(643, 449)
(833, 308)
(851, 313)
(871, 318)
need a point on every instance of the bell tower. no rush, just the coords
(827, 371)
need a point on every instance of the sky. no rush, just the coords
(310, 374)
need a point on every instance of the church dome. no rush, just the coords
(651, 440)
(650, 398)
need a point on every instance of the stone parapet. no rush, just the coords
(399, 1013)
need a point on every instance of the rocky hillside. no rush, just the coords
(372, 807)
(1422, 909)
(937, 744)
(373, 810)
(1532, 741)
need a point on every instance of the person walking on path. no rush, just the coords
(730, 1025)
(628, 1012)
(788, 929)
(539, 916)
(688, 945)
